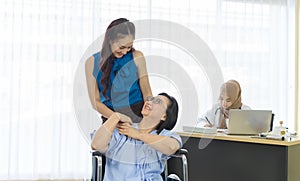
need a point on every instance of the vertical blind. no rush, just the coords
(42, 41)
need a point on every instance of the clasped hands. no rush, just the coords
(125, 127)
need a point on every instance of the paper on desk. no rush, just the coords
(205, 130)
(221, 130)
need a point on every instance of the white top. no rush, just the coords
(213, 115)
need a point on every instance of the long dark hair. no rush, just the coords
(117, 29)
(172, 114)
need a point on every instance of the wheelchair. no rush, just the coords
(98, 166)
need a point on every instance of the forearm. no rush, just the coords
(103, 135)
(93, 90)
(164, 144)
(103, 109)
(142, 74)
(145, 87)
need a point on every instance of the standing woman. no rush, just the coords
(116, 76)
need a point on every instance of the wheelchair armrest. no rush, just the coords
(97, 165)
(180, 152)
(96, 153)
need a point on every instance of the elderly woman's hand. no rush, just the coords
(128, 130)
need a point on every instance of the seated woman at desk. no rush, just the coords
(229, 98)
(139, 151)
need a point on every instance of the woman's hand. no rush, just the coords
(208, 125)
(128, 130)
(124, 119)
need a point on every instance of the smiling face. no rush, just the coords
(230, 95)
(225, 101)
(121, 46)
(155, 107)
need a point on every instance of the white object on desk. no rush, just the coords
(278, 130)
(205, 130)
(275, 137)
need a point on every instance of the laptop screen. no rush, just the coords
(249, 121)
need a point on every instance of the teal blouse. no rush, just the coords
(124, 89)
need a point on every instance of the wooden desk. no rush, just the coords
(222, 157)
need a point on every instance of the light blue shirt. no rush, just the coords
(130, 159)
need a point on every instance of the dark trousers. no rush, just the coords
(134, 112)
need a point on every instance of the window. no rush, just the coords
(42, 42)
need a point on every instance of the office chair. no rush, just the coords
(97, 165)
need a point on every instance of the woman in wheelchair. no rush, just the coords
(139, 151)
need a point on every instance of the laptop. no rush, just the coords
(249, 122)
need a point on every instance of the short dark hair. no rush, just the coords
(172, 114)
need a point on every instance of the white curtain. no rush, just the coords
(253, 41)
(43, 41)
